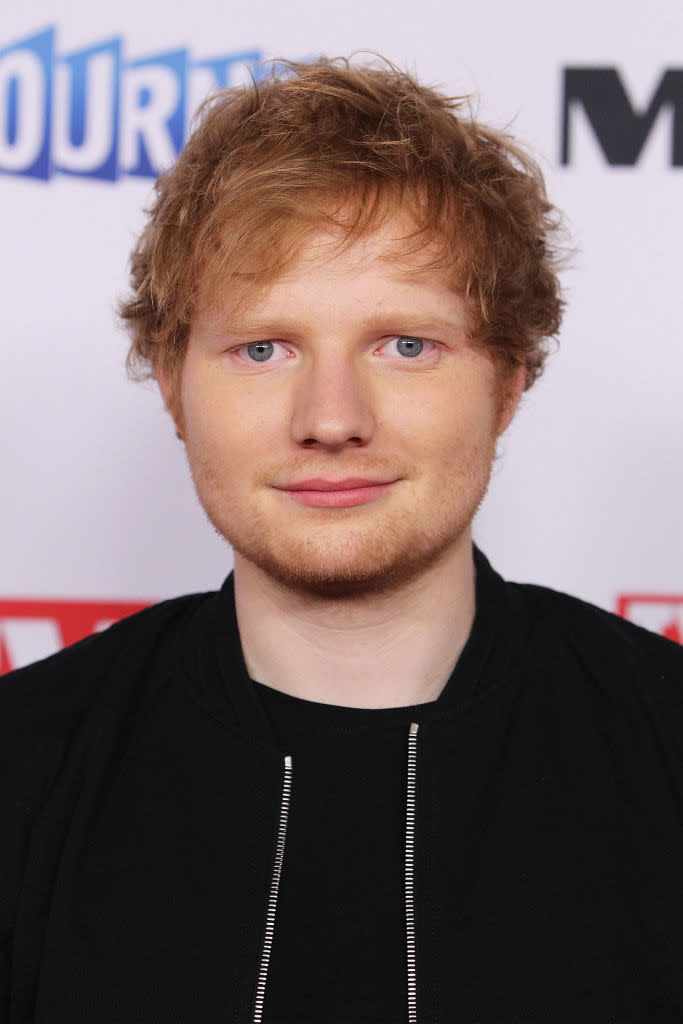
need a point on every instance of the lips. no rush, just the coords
(321, 493)
(320, 484)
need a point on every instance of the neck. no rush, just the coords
(383, 650)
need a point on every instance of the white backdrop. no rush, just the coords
(96, 500)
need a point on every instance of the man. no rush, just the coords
(369, 780)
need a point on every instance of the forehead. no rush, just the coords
(389, 264)
(396, 239)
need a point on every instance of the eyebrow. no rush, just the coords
(408, 321)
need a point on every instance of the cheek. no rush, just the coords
(205, 426)
(447, 423)
(206, 406)
(229, 433)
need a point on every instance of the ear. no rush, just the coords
(170, 394)
(511, 391)
(162, 381)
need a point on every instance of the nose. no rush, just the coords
(333, 406)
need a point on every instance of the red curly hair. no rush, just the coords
(336, 143)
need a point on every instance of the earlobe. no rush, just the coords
(512, 389)
(169, 397)
(163, 383)
(163, 387)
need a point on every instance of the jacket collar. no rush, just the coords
(219, 681)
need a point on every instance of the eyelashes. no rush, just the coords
(263, 352)
(408, 346)
(403, 346)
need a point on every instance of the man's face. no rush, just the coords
(340, 428)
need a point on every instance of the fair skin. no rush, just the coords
(340, 429)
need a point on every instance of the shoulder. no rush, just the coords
(613, 652)
(585, 623)
(58, 715)
(69, 682)
(54, 711)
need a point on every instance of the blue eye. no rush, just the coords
(260, 351)
(409, 346)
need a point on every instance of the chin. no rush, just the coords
(354, 571)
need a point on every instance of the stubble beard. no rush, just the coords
(364, 561)
(381, 554)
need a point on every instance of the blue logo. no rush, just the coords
(95, 114)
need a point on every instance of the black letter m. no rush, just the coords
(620, 130)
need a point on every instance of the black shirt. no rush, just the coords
(340, 937)
(141, 786)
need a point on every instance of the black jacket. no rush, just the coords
(141, 792)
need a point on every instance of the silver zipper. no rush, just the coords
(272, 896)
(410, 874)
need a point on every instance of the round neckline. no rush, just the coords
(302, 715)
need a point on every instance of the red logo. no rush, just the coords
(661, 613)
(30, 630)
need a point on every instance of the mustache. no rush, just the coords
(339, 466)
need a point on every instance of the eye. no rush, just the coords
(407, 346)
(262, 352)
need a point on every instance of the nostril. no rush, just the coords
(314, 442)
